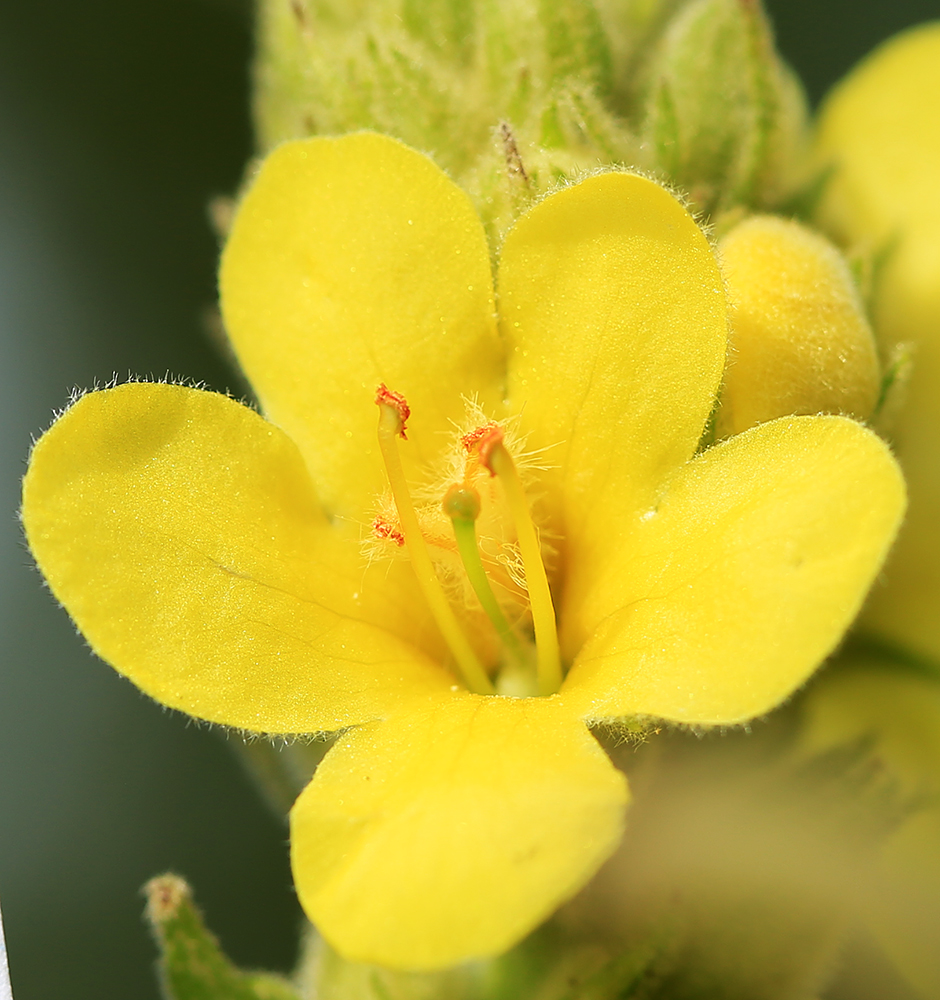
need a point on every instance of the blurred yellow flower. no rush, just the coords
(182, 530)
(880, 132)
(898, 713)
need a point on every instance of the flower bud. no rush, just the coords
(799, 340)
(725, 118)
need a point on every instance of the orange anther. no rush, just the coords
(388, 397)
(482, 441)
(382, 528)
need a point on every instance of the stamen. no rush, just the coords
(388, 397)
(383, 528)
(393, 412)
(475, 438)
(462, 505)
(493, 455)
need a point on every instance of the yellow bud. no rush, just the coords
(800, 342)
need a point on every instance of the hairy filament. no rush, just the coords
(495, 457)
(393, 412)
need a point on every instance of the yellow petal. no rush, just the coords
(881, 130)
(181, 532)
(613, 311)
(448, 834)
(746, 573)
(351, 262)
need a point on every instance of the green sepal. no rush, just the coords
(445, 26)
(551, 964)
(576, 45)
(555, 963)
(723, 116)
(632, 28)
(326, 975)
(192, 966)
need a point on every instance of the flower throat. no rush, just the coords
(461, 504)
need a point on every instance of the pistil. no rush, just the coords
(495, 456)
(393, 414)
(462, 505)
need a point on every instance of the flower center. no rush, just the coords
(523, 670)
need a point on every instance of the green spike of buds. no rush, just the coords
(514, 97)
(438, 74)
(454, 78)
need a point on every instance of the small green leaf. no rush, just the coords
(192, 966)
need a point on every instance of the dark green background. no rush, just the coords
(118, 120)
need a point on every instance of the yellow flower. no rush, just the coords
(880, 131)
(182, 530)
